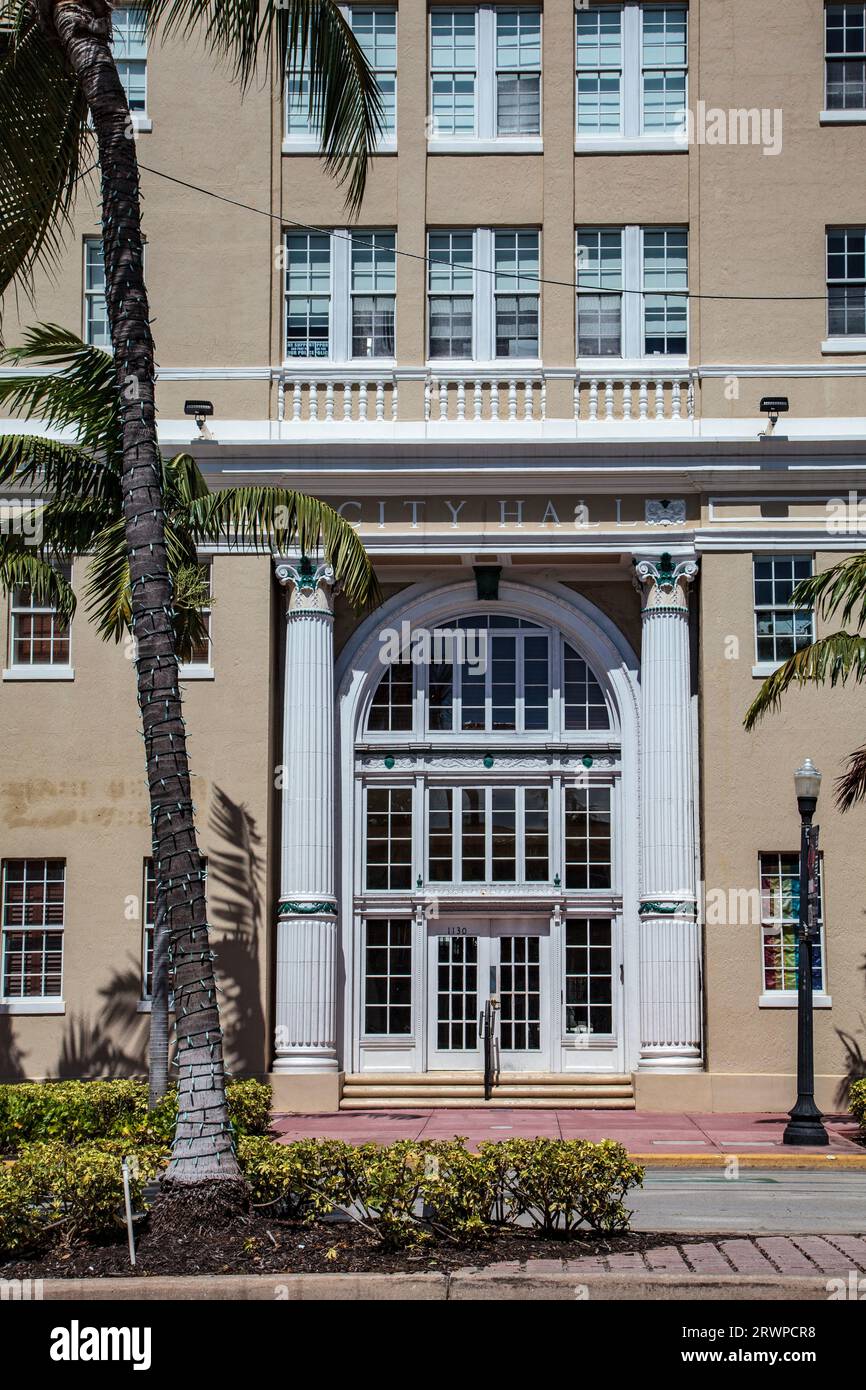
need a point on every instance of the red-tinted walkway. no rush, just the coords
(642, 1132)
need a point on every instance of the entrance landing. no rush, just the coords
(657, 1139)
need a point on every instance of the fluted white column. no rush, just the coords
(307, 924)
(669, 939)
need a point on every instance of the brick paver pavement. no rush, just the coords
(769, 1255)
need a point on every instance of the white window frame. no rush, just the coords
(842, 342)
(32, 1003)
(483, 301)
(403, 919)
(308, 141)
(632, 135)
(90, 296)
(389, 863)
(485, 138)
(141, 119)
(788, 998)
(577, 792)
(634, 298)
(488, 788)
(47, 671)
(765, 666)
(839, 115)
(203, 670)
(357, 238)
(340, 301)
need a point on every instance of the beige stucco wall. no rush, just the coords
(73, 787)
(748, 806)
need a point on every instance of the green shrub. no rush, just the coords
(21, 1219)
(76, 1111)
(560, 1184)
(306, 1179)
(857, 1102)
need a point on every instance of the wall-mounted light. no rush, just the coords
(201, 410)
(773, 407)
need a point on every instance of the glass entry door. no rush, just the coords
(477, 960)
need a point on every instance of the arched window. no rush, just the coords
(488, 673)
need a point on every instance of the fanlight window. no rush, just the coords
(489, 674)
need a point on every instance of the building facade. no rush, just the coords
(530, 373)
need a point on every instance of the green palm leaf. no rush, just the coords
(841, 587)
(279, 519)
(22, 564)
(838, 657)
(310, 38)
(73, 387)
(46, 145)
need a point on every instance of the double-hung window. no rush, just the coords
(483, 294)
(632, 72)
(780, 629)
(39, 639)
(846, 282)
(780, 925)
(632, 292)
(308, 294)
(374, 287)
(375, 28)
(96, 330)
(485, 73)
(488, 834)
(33, 921)
(845, 39)
(129, 46)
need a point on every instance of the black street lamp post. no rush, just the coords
(805, 1125)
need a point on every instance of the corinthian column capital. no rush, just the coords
(310, 588)
(664, 584)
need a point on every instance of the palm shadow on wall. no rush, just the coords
(235, 908)
(114, 1042)
(855, 1058)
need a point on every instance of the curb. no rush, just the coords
(461, 1287)
(799, 1162)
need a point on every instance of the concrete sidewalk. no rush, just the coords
(657, 1140)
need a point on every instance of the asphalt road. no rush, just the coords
(758, 1203)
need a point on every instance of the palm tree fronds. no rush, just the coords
(73, 386)
(45, 147)
(182, 480)
(851, 786)
(279, 519)
(837, 658)
(298, 38)
(191, 595)
(21, 564)
(31, 462)
(842, 587)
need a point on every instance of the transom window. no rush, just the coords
(846, 57)
(632, 295)
(33, 921)
(485, 72)
(780, 629)
(375, 28)
(846, 282)
(488, 834)
(490, 674)
(38, 637)
(632, 70)
(780, 923)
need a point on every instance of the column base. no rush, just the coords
(301, 1093)
(306, 1063)
(686, 1061)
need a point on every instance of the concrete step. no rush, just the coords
(505, 1078)
(455, 1090)
(547, 1093)
(478, 1102)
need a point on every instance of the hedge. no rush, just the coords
(77, 1111)
(857, 1103)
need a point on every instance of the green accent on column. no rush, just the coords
(587, 761)
(664, 909)
(666, 571)
(488, 760)
(389, 761)
(557, 882)
(306, 573)
(287, 909)
(420, 883)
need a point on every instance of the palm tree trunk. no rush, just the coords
(157, 1061)
(203, 1160)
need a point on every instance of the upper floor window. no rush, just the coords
(33, 920)
(340, 294)
(780, 629)
(491, 674)
(149, 929)
(780, 924)
(846, 57)
(375, 28)
(38, 637)
(485, 72)
(483, 291)
(846, 282)
(632, 298)
(632, 70)
(201, 656)
(129, 46)
(96, 330)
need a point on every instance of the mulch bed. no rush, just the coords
(261, 1245)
